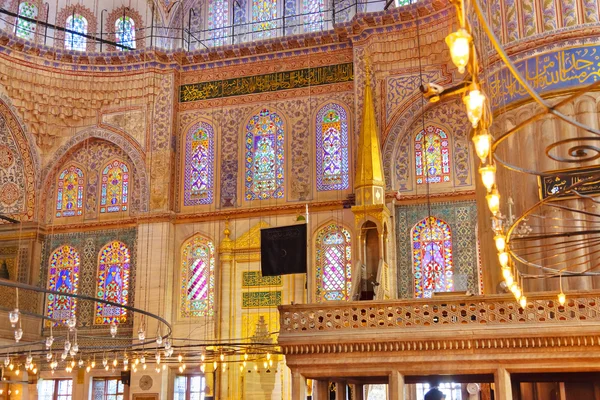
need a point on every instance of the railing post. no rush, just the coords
(102, 28)
(152, 27)
(46, 27)
(283, 22)
(333, 13)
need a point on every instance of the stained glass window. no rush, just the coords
(400, 3)
(112, 283)
(63, 276)
(334, 263)
(218, 19)
(332, 148)
(69, 192)
(79, 24)
(125, 32)
(197, 277)
(114, 191)
(199, 161)
(26, 29)
(314, 15)
(264, 156)
(431, 149)
(432, 257)
(264, 13)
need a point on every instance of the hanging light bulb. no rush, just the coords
(509, 280)
(500, 241)
(245, 356)
(203, 367)
(6, 360)
(268, 356)
(64, 355)
(13, 317)
(518, 293)
(215, 365)
(222, 357)
(72, 363)
(202, 356)
(93, 364)
(513, 288)
(48, 356)
(164, 367)
(482, 141)
(11, 366)
(105, 362)
(562, 298)
(144, 367)
(474, 101)
(270, 363)
(157, 356)
(34, 370)
(142, 334)
(503, 258)
(49, 341)
(72, 322)
(265, 364)
(244, 363)
(18, 334)
(29, 359)
(459, 44)
(72, 352)
(523, 301)
(88, 368)
(157, 369)
(143, 359)
(159, 341)
(506, 272)
(167, 344)
(179, 358)
(67, 345)
(180, 370)
(488, 176)
(106, 368)
(18, 371)
(493, 200)
(115, 361)
(184, 366)
(125, 361)
(113, 329)
(169, 352)
(241, 368)
(255, 367)
(80, 363)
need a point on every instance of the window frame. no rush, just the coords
(56, 384)
(106, 379)
(188, 380)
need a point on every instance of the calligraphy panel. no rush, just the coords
(557, 185)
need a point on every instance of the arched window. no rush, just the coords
(199, 165)
(334, 263)
(112, 283)
(114, 190)
(79, 24)
(26, 29)
(69, 192)
(332, 148)
(63, 276)
(125, 32)
(432, 257)
(314, 15)
(264, 13)
(264, 156)
(197, 277)
(431, 149)
(218, 20)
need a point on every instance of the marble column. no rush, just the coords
(298, 386)
(321, 389)
(503, 389)
(396, 386)
(340, 390)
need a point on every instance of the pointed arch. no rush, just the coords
(63, 276)
(265, 156)
(77, 23)
(124, 23)
(115, 187)
(333, 256)
(332, 148)
(197, 279)
(199, 165)
(65, 39)
(432, 156)
(112, 282)
(431, 240)
(70, 191)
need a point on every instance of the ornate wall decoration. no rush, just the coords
(112, 282)
(261, 299)
(255, 279)
(399, 89)
(267, 83)
(68, 11)
(131, 121)
(63, 276)
(462, 219)
(197, 278)
(17, 166)
(448, 115)
(199, 175)
(333, 254)
(332, 156)
(92, 148)
(89, 245)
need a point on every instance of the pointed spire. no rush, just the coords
(369, 168)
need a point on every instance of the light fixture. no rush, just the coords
(203, 367)
(143, 359)
(13, 317)
(562, 298)
(48, 356)
(64, 355)
(474, 101)
(93, 364)
(488, 176)
(105, 362)
(244, 363)
(49, 341)
(164, 367)
(18, 334)
(6, 360)
(179, 358)
(503, 258)
(215, 365)
(523, 301)
(518, 293)
(268, 356)
(142, 334)
(241, 368)
(482, 141)
(459, 43)
(245, 356)
(222, 357)
(18, 371)
(157, 356)
(265, 364)
(113, 329)
(67, 345)
(493, 200)
(509, 280)
(270, 363)
(500, 241)
(202, 356)
(180, 370)
(167, 344)
(72, 322)
(11, 366)
(88, 368)
(144, 367)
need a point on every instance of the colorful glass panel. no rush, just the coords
(334, 263)
(199, 162)
(400, 3)
(332, 148)
(63, 276)
(432, 257)
(314, 15)
(125, 32)
(23, 28)
(264, 14)
(79, 24)
(218, 19)
(114, 191)
(431, 148)
(69, 192)
(264, 156)
(112, 283)
(197, 277)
